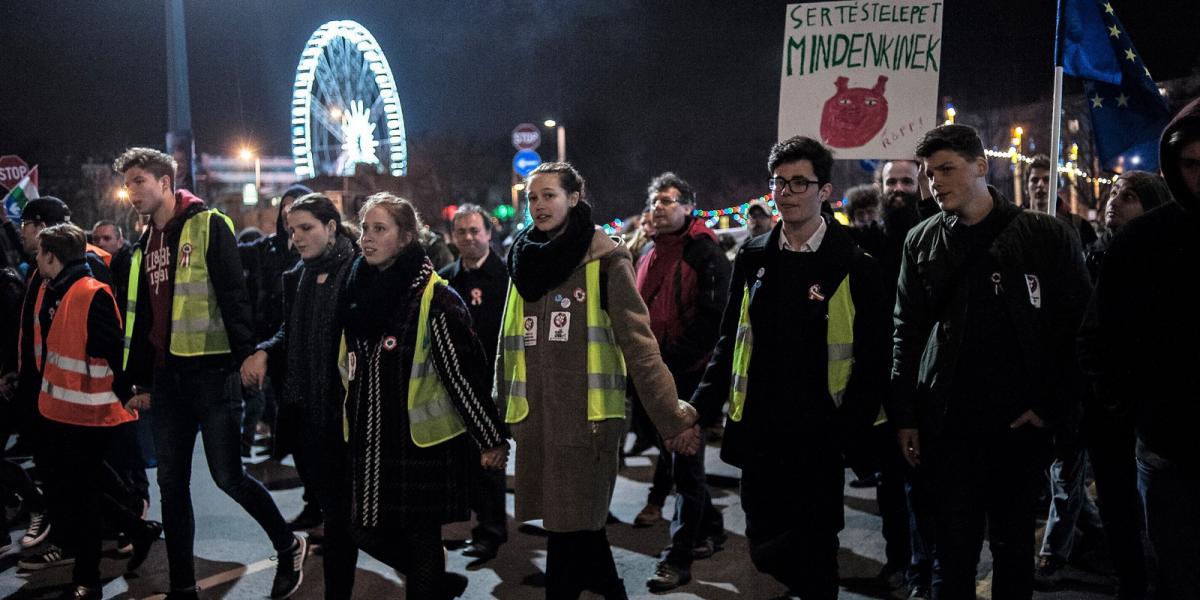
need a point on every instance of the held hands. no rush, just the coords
(910, 445)
(494, 458)
(254, 369)
(686, 442)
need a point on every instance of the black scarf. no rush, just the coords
(313, 330)
(377, 298)
(537, 263)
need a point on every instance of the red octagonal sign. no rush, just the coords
(526, 136)
(12, 169)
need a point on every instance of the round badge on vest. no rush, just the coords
(389, 343)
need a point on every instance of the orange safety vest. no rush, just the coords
(76, 388)
(102, 253)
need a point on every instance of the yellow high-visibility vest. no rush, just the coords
(432, 418)
(839, 340)
(605, 362)
(196, 325)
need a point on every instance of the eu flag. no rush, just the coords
(1128, 113)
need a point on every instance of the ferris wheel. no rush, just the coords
(345, 109)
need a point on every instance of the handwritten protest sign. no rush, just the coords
(862, 77)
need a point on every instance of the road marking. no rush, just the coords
(226, 576)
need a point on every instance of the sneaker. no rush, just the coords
(668, 577)
(290, 571)
(141, 544)
(484, 550)
(82, 592)
(651, 514)
(39, 528)
(309, 517)
(53, 556)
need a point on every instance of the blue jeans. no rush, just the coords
(187, 400)
(1171, 493)
(1070, 505)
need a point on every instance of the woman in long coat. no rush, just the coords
(574, 325)
(419, 406)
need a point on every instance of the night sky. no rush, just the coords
(641, 86)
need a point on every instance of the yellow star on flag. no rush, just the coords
(1113, 31)
(1123, 100)
(1130, 55)
(1108, 8)
(1097, 101)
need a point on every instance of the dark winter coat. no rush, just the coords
(397, 484)
(931, 314)
(1139, 342)
(787, 398)
(264, 261)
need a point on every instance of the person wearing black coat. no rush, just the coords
(407, 476)
(1138, 346)
(987, 303)
(799, 402)
(302, 358)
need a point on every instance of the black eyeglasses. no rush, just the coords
(798, 185)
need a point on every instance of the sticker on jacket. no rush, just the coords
(530, 331)
(560, 326)
(1035, 290)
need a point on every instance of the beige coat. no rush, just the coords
(567, 466)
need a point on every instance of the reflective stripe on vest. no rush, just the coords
(605, 363)
(432, 418)
(839, 341)
(196, 325)
(76, 388)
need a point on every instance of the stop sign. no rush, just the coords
(526, 136)
(12, 169)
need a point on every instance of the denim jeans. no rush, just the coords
(1171, 493)
(187, 400)
(1070, 505)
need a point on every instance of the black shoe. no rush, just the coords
(1049, 574)
(308, 518)
(481, 549)
(290, 570)
(53, 556)
(668, 577)
(82, 592)
(866, 482)
(142, 543)
(452, 586)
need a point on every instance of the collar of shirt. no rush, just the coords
(811, 245)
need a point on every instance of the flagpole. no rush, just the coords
(1056, 115)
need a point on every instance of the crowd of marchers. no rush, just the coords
(975, 361)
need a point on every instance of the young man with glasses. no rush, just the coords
(802, 357)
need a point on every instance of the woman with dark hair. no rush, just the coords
(574, 326)
(418, 380)
(303, 357)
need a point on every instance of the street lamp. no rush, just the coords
(562, 137)
(248, 154)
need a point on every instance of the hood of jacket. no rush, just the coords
(1187, 119)
(186, 205)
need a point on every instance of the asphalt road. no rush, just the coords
(234, 559)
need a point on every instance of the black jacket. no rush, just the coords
(931, 314)
(484, 290)
(225, 272)
(1139, 342)
(265, 261)
(787, 399)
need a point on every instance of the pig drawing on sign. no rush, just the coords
(852, 116)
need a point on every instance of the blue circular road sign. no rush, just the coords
(525, 162)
